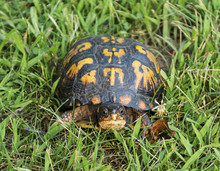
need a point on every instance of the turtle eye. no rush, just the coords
(121, 110)
(105, 111)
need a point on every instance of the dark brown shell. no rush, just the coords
(102, 69)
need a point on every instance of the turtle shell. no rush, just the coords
(109, 69)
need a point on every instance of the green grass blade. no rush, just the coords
(215, 129)
(53, 88)
(85, 163)
(53, 130)
(95, 153)
(3, 125)
(137, 128)
(38, 7)
(33, 61)
(206, 127)
(47, 160)
(18, 42)
(34, 19)
(186, 144)
(5, 79)
(138, 167)
(217, 152)
(198, 135)
(56, 25)
(21, 104)
(197, 154)
(193, 158)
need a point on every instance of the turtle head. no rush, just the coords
(111, 115)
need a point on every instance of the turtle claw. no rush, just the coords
(156, 130)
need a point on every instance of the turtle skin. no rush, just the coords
(112, 81)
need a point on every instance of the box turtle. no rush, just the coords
(112, 81)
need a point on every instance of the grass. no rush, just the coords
(34, 35)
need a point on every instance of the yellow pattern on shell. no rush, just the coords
(150, 56)
(114, 99)
(153, 59)
(89, 78)
(120, 40)
(112, 75)
(141, 104)
(125, 99)
(79, 48)
(96, 99)
(112, 39)
(74, 69)
(108, 54)
(119, 54)
(147, 75)
(105, 39)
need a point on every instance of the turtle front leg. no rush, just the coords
(87, 124)
(80, 113)
(83, 116)
(67, 116)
